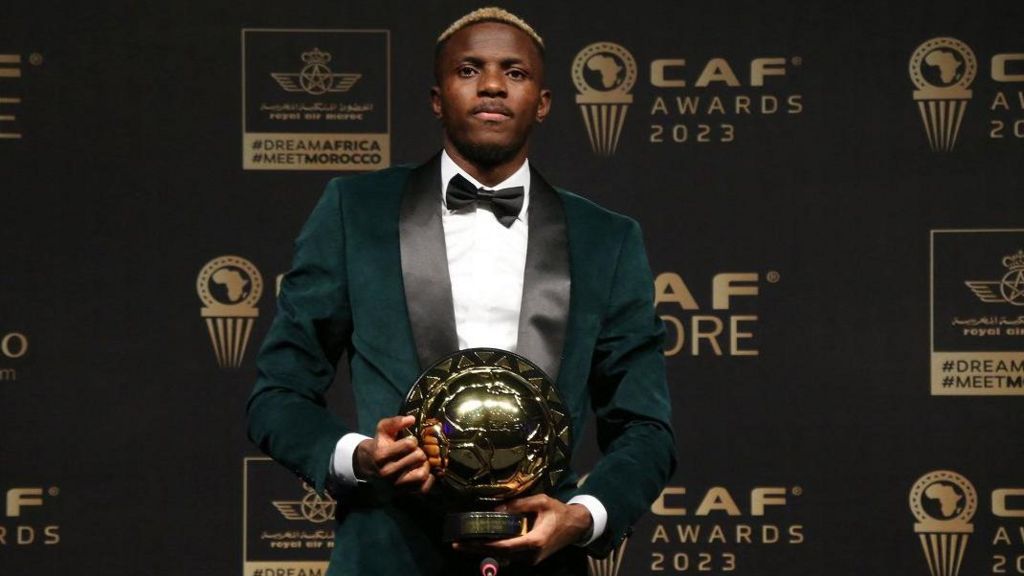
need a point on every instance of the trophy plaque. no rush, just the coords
(502, 432)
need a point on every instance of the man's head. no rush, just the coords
(489, 68)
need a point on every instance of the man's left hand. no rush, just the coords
(555, 526)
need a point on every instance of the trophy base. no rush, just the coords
(463, 526)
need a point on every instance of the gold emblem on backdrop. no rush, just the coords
(604, 73)
(312, 508)
(943, 502)
(316, 77)
(942, 70)
(1010, 287)
(230, 288)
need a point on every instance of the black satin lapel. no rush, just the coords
(428, 288)
(545, 310)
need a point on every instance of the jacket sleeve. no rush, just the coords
(287, 413)
(629, 396)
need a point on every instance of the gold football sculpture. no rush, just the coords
(496, 429)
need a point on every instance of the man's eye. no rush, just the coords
(466, 71)
(517, 74)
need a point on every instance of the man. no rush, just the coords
(402, 267)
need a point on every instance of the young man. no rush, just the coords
(471, 249)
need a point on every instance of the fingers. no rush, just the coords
(433, 452)
(535, 503)
(390, 427)
(388, 450)
(417, 475)
(415, 458)
(525, 542)
(427, 484)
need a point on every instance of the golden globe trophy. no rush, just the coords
(500, 431)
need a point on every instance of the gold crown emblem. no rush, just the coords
(1014, 262)
(316, 56)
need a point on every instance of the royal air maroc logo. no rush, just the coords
(942, 70)
(316, 77)
(1009, 289)
(943, 502)
(313, 507)
(229, 287)
(604, 74)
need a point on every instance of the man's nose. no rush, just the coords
(492, 83)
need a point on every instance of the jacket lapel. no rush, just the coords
(545, 310)
(428, 288)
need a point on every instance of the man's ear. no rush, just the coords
(435, 101)
(544, 106)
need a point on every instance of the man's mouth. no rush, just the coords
(492, 112)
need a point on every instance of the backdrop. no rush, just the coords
(831, 202)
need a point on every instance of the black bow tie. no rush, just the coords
(506, 203)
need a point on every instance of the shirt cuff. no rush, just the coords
(341, 460)
(597, 513)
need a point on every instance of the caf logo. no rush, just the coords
(312, 507)
(943, 502)
(942, 70)
(604, 73)
(1011, 286)
(229, 287)
(316, 77)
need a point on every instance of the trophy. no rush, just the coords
(500, 431)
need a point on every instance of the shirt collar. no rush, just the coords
(520, 177)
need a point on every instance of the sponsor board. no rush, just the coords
(316, 99)
(977, 312)
(287, 527)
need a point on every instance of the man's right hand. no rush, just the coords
(398, 460)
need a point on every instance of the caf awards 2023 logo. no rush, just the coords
(604, 74)
(942, 69)
(688, 102)
(943, 503)
(230, 288)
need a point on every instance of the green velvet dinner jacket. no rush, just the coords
(370, 278)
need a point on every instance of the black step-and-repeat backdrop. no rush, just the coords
(831, 199)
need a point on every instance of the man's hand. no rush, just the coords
(399, 460)
(555, 526)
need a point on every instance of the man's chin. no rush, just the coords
(487, 154)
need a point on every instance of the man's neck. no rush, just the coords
(489, 176)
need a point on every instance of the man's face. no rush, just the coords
(490, 92)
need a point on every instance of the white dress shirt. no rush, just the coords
(486, 262)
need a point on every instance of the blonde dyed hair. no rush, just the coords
(491, 14)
